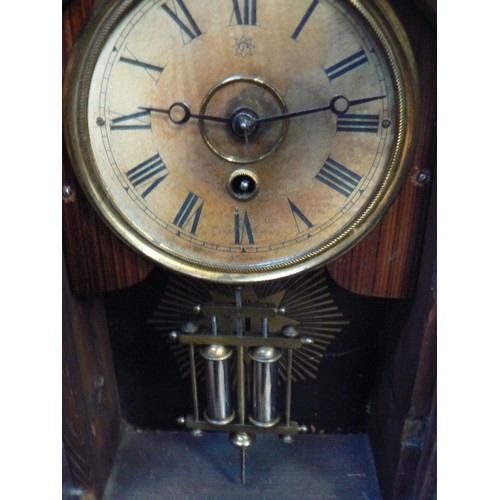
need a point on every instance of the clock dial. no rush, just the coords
(240, 140)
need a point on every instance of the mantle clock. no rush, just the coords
(248, 196)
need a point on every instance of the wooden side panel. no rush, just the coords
(97, 260)
(405, 390)
(386, 262)
(75, 12)
(425, 484)
(91, 417)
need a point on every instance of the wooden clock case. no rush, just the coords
(396, 261)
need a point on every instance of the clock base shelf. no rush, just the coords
(154, 465)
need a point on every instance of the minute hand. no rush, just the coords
(338, 105)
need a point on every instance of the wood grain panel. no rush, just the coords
(97, 260)
(91, 419)
(406, 387)
(386, 262)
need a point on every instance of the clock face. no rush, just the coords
(239, 140)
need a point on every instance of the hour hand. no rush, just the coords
(179, 113)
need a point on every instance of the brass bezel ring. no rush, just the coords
(388, 33)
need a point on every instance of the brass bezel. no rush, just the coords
(392, 38)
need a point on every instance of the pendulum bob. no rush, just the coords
(218, 410)
(264, 386)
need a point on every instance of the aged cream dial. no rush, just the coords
(241, 140)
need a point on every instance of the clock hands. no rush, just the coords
(242, 121)
(179, 113)
(247, 120)
(339, 105)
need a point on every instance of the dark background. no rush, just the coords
(153, 393)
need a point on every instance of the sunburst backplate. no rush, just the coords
(307, 300)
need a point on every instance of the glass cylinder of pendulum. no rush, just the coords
(264, 385)
(218, 410)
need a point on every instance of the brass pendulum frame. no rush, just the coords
(242, 434)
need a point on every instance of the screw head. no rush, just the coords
(422, 177)
(290, 331)
(190, 327)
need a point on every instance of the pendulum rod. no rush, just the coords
(290, 332)
(241, 381)
(241, 384)
(288, 398)
(241, 407)
(239, 304)
(243, 456)
(193, 382)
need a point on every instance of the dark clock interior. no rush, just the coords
(149, 369)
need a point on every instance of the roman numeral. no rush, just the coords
(190, 212)
(300, 219)
(336, 176)
(242, 229)
(131, 122)
(304, 20)
(151, 69)
(189, 28)
(358, 123)
(249, 16)
(140, 64)
(346, 65)
(148, 174)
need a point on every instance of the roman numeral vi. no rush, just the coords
(242, 228)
